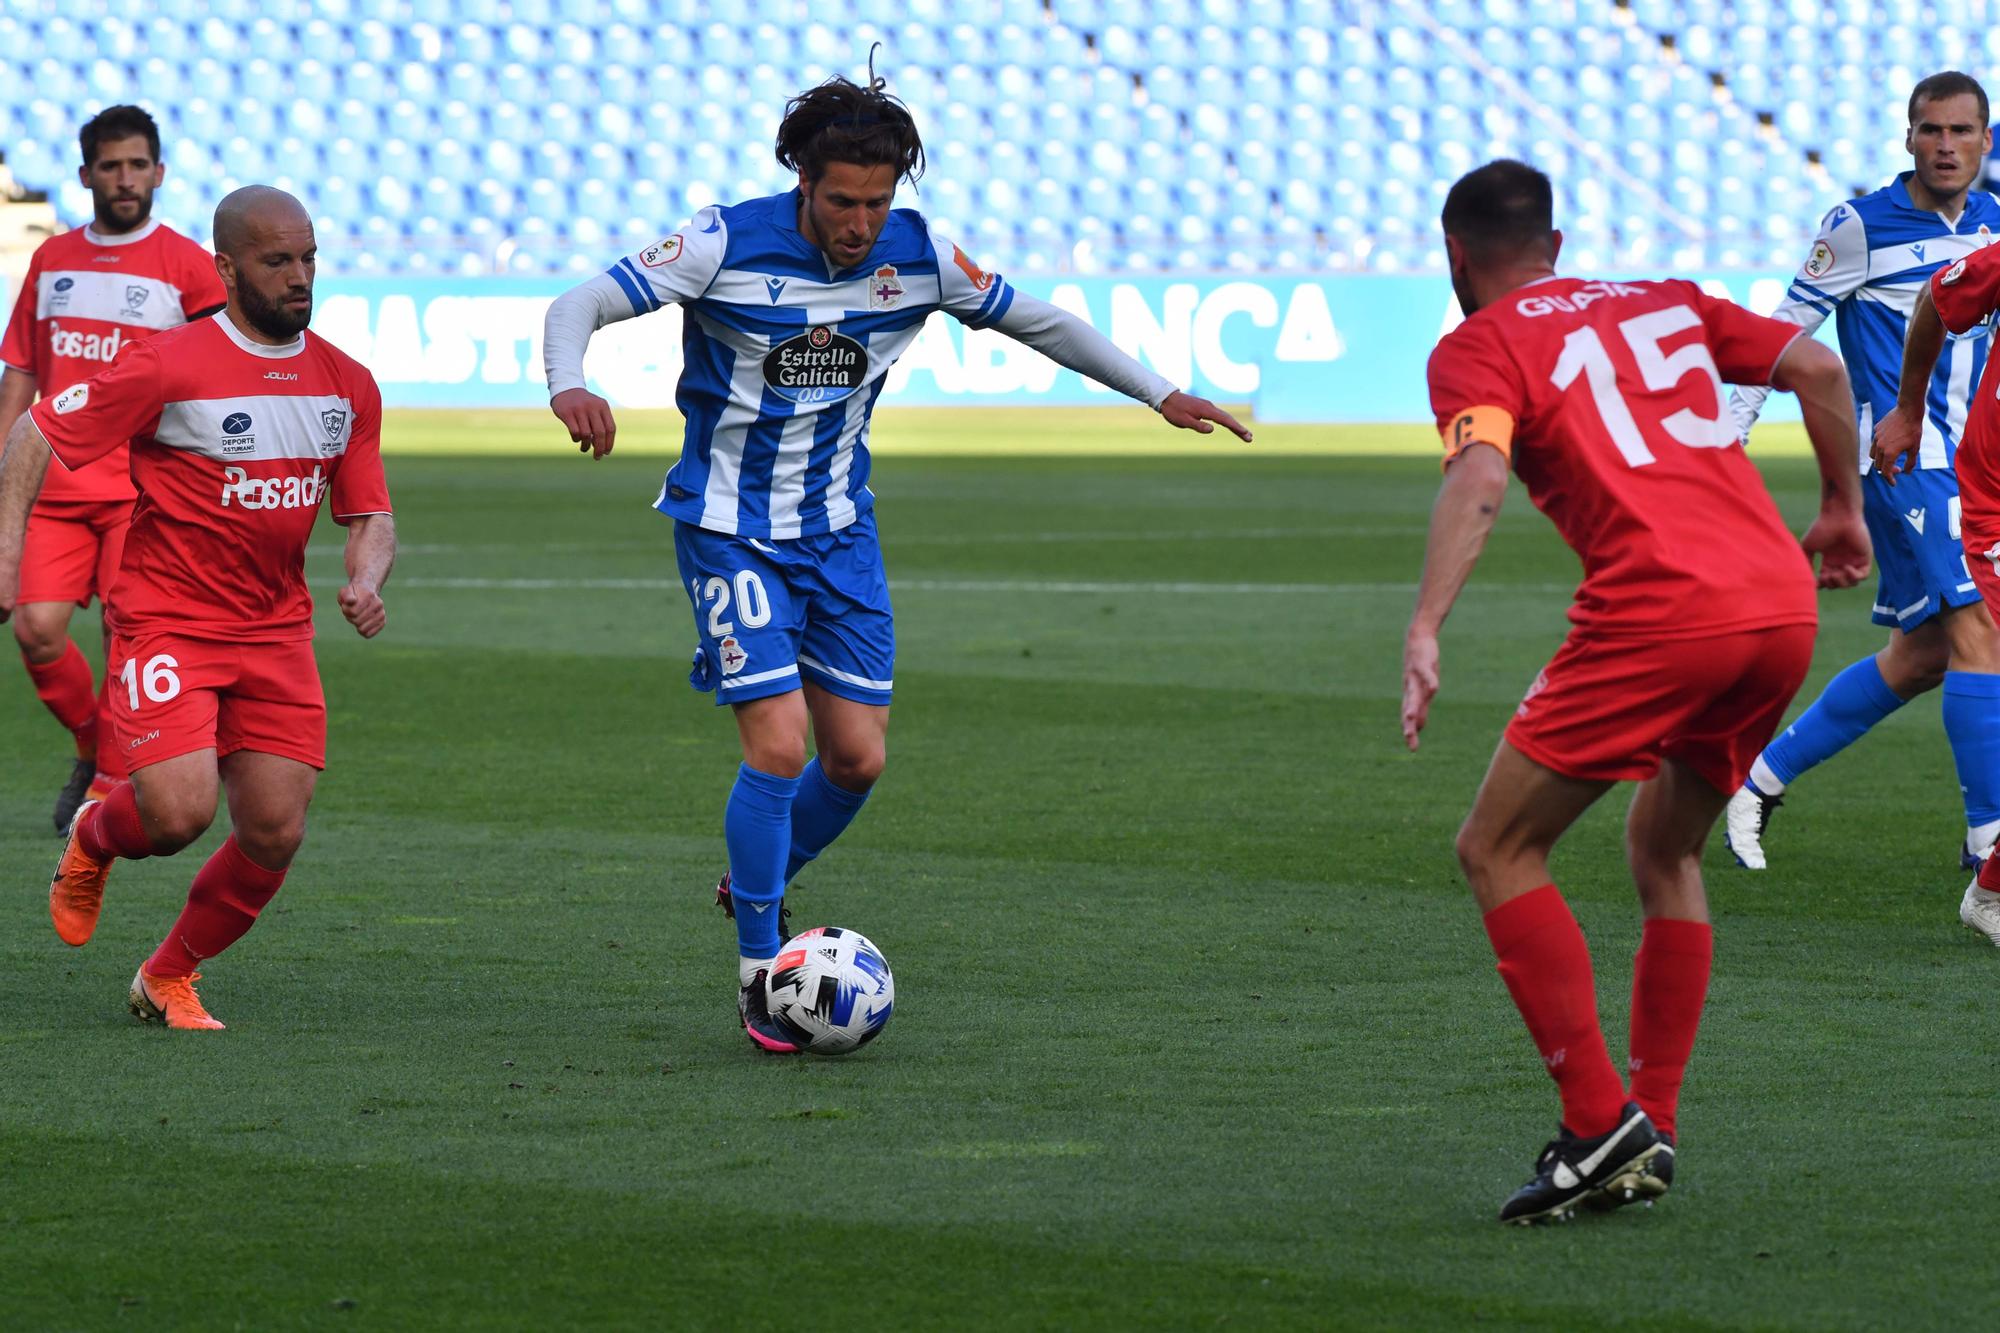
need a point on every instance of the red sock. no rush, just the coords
(66, 687)
(110, 754)
(1546, 965)
(1989, 874)
(112, 828)
(1669, 986)
(222, 905)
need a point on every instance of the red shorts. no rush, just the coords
(72, 551)
(1979, 529)
(172, 695)
(1610, 709)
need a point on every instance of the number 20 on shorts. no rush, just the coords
(156, 678)
(753, 607)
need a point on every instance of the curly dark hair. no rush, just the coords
(844, 121)
(115, 123)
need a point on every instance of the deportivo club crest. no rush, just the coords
(135, 297)
(885, 288)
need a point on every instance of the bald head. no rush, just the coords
(245, 216)
(265, 252)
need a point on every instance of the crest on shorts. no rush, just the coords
(734, 658)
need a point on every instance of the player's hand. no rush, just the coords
(1191, 413)
(588, 419)
(1898, 434)
(364, 610)
(1420, 683)
(1839, 538)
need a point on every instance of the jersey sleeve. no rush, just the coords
(1968, 291)
(675, 268)
(967, 292)
(201, 286)
(86, 421)
(359, 486)
(1476, 391)
(1834, 270)
(17, 347)
(1746, 346)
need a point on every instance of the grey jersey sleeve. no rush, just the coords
(1069, 341)
(676, 268)
(1833, 271)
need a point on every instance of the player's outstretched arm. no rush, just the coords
(371, 554)
(22, 468)
(1900, 432)
(1467, 506)
(1069, 341)
(1838, 536)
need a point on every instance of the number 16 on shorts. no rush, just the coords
(156, 679)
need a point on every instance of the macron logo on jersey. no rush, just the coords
(248, 492)
(77, 346)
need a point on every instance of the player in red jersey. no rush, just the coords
(88, 293)
(1692, 629)
(241, 425)
(1961, 300)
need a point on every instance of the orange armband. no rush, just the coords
(1479, 425)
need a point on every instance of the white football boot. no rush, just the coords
(1980, 910)
(1744, 822)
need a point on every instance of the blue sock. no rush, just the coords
(1852, 702)
(1972, 725)
(820, 813)
(757, 824)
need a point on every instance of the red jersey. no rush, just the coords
(234, 445)
(1965, 294)
(85, 297)
(1607, 398)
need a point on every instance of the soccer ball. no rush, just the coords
(830, 990)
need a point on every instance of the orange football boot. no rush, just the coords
(76, 894)
(170, 1000)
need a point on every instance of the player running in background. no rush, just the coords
(88, 293)
(1692, 630)
(1955, 302)
(796, 306)
(241, 425)
(1872, 257)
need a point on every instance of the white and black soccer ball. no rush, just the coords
(830, 990)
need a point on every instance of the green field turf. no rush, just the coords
(1197, 1026)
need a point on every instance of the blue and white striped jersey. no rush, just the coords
(785, 357)
(1871, 258)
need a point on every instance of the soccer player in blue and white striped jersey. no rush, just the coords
(795, 307)
(1872, 257)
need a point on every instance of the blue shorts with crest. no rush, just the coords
(771, 613)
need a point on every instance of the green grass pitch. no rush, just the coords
(1198, 1027)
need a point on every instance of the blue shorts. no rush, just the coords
(770, 613)
(1915, 527)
